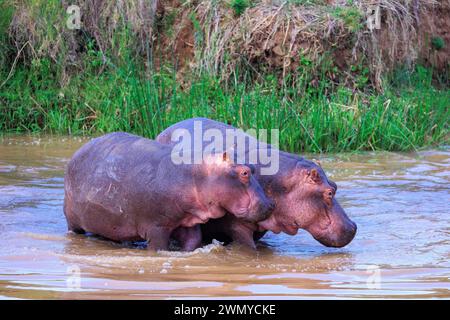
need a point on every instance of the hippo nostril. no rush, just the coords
(352, 228)
(351, 232)
(355, 228)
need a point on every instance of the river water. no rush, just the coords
(400, 202)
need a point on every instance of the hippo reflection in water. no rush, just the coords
(126, 188)
(304, 199)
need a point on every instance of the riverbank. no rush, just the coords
(324, 118)
(122, 75)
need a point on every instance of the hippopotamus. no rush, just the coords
(126, 188)
(304, 199)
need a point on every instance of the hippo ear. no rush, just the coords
(314, 175)
(225, 157)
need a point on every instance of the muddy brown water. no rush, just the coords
(400, 202)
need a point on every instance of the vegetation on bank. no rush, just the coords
(80, 83)
(406, 116)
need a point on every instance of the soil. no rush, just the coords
(277, 51)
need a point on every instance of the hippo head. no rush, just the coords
(234, 188)
(305, 199)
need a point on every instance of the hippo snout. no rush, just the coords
(341, 238)
(347, 235)
(262, 210)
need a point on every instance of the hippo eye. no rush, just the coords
(328, 195)
(244, 175)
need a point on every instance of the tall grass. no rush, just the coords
(310, 118)
(112, 86)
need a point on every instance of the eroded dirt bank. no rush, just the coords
(281, 38)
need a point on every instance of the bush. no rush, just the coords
(438, 43)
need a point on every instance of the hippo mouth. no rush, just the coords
(321, 226)
(292, 229)
(277, 226)
(340, 241)
(331, 236)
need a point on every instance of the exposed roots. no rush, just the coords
(271, 37)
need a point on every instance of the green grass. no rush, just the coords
(239, 6)
(407, 116)
(6, 13)
(113, 90)
(438, 43)
(350, 16)
(308, 2)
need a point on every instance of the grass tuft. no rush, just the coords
(239, 6)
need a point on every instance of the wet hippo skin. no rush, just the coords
(303, 195)
(126, 188)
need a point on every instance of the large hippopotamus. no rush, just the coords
(126, 188)
(304, 198)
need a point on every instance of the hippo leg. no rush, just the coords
(72, 225)
(157, 237)
(188, 238)
(243, 235)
